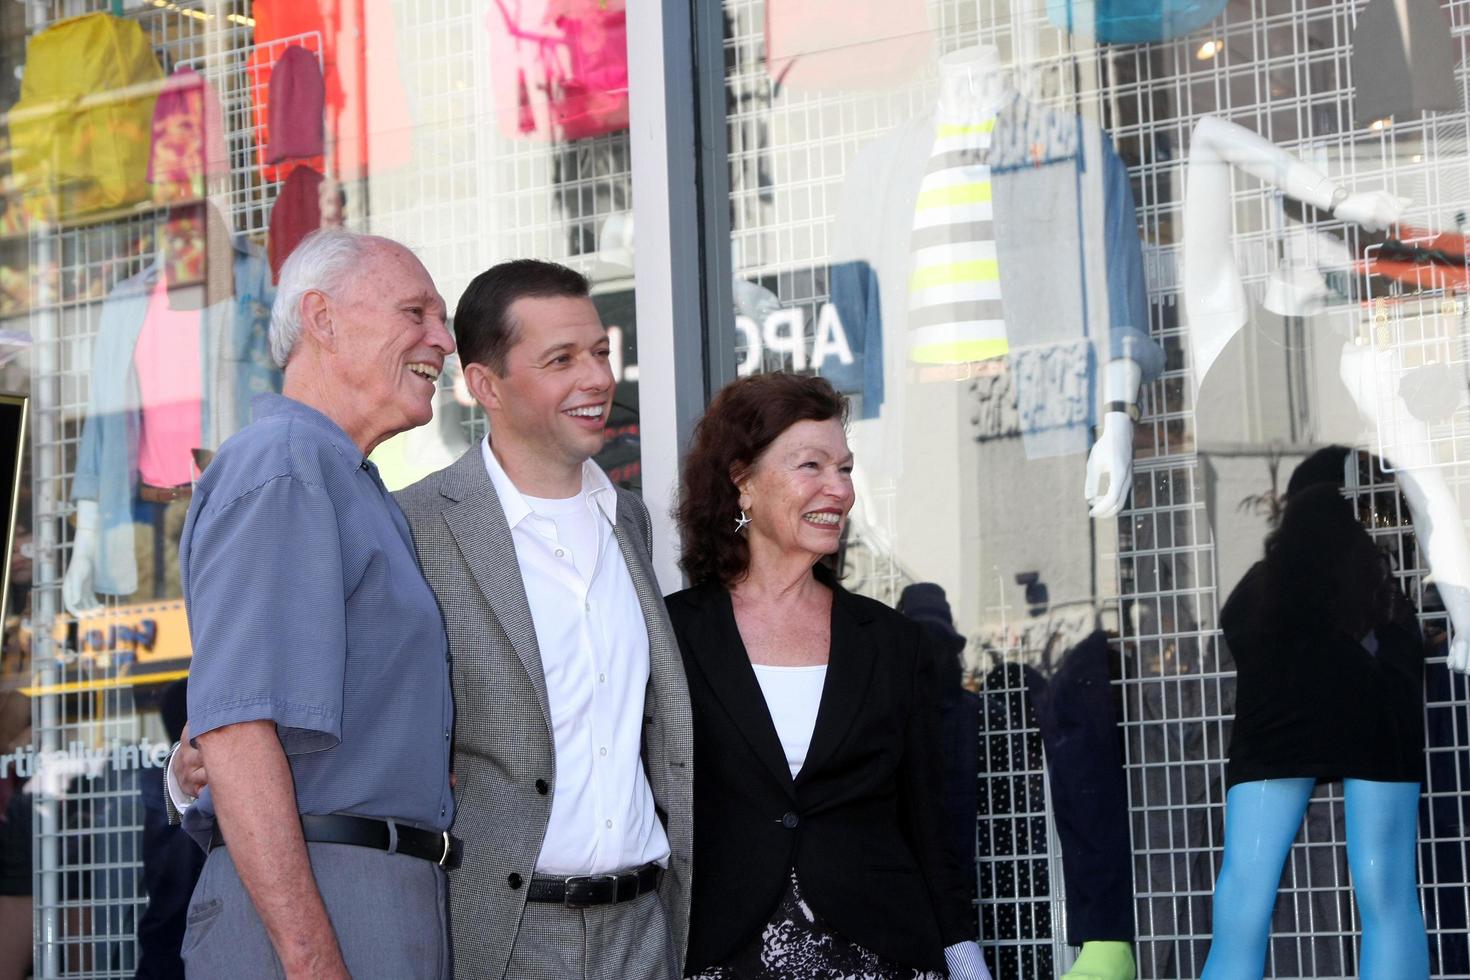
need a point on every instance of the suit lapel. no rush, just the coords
(477, 522)
(722, 658)
(849, 670)
(665, 666)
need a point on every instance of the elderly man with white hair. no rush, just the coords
(319, 694)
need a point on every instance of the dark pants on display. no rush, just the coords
(1089, 791)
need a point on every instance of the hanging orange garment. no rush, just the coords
(368, 126)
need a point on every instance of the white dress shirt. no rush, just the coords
(594, 653)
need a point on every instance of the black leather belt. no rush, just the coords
(580, 891)
(339, 828)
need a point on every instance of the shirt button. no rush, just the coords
(542, 787)
(446, 733)
(609, 825)
(602, 678)
(513, 880)
(602, 751)
(443, 811)
(790, 820)
(560, 553)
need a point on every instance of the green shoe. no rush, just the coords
(1103, 961)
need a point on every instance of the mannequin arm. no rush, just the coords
(1214, 298)
(1441, 532)
(1438, 523)
(77, 592)
(1110, 464)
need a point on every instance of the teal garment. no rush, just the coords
(1132, 21)
(236, 366)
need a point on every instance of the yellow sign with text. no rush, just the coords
(144, 632)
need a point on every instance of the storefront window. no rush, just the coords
(163, 158)
(1105, 285)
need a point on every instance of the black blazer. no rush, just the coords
(862, 822)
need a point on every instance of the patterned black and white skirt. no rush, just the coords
(795, 946)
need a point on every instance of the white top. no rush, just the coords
(594, 653)
(793, 695)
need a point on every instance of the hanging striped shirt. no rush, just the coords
(954, 291)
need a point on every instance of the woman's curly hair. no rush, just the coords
(744, 418)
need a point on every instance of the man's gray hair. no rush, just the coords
(324, 261)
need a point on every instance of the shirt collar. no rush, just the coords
(595, 484)
(270, 404)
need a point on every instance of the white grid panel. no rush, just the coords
(1283, 70)
(469, 197)
(87, 848)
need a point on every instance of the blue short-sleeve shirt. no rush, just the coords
(307, 608)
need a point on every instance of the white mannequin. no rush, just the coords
(971, 80)
(1216, 307)
(77, 592)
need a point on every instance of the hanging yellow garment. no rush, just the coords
(82, 128)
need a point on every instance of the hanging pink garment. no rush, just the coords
(846, 45)
(559, 67)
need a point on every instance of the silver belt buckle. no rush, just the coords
(566, 898)
(445, 855)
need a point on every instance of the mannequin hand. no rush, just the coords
(1110, 462)
(1373, 210)
(77, 592)
(1459, 659)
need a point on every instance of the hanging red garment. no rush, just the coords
(368, 126)
(559, 67)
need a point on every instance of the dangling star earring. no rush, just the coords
(741, 521)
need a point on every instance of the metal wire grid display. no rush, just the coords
(91, 739)
(470, 197)
(1282, 69)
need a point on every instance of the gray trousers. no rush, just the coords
(387, 910)
(627, 941)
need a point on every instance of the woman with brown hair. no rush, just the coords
(818, 848)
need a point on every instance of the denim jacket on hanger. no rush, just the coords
(235, 351)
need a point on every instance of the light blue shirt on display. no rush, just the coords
(236, 365)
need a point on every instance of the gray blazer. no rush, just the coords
(502, 729)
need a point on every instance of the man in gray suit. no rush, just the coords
(573, 739)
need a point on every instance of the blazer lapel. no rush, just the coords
(666, 666)
(849, 670)
(477, 522)
(722, 658)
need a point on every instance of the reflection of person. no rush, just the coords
(572, 753)
(818, 831)
(171, 861)
(1329, 663)
(959, 721)
(328, 799)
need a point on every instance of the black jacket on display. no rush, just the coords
(861, 824)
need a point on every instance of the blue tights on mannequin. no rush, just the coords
(1261, 820)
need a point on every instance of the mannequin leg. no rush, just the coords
(1382, 841)
(1261, 820)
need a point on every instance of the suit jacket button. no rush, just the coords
(790, 820)
(514, 880)
(542, 787)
